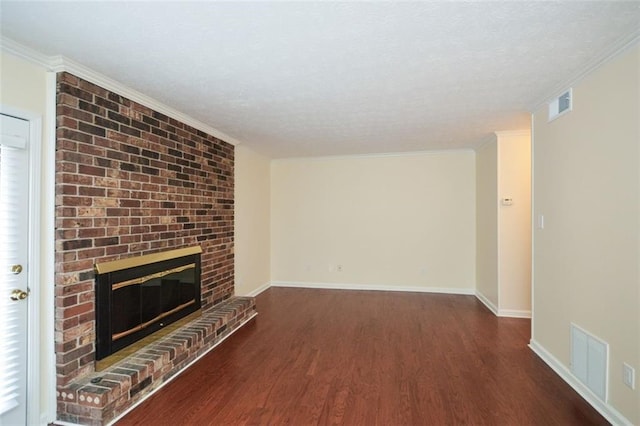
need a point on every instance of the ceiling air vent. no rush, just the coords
(560, 105)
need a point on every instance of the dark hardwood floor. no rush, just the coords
(317, 357)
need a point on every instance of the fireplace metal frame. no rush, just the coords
(117, 271)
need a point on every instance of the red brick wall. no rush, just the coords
(131, 181)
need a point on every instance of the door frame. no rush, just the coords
(38, 343)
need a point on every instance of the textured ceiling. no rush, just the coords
(321, 78)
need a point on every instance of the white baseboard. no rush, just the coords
(61, 423)
(345, 286)
(514, 313)
(488, 303)
(608, 412)
(257, 291)
(508, 313)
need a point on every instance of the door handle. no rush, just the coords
(16, 269)
(18, 295)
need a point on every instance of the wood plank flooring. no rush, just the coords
(319, 357)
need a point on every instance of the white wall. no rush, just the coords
(487, 221)
(587, 186)
(503, 249)
(23, 92)
(252, 221)
(514, 223)
(390, 221)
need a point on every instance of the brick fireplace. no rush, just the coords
(131, 181)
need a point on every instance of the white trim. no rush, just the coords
(488, 303)
(108, 83)
(533, 226)
(484, 142)
(245, 322)
(375, 155)
(257, 291)
(506, 133)
(36, 283)
(47, 301)
(60, 63)
(375, 287)
(601, 59)
(63, 423)
(608, 412)
(514, 313)
(499, 237)
(503, 313)
(16, 49)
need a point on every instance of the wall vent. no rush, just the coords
(561, 105)
(589, 361)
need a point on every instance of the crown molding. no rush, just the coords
(622, 45)
(376, 155)
(523, 132)
(484, 142)
(59, 63)
(16, 49)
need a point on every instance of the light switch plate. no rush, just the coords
(628, 375)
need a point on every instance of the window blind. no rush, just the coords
(13, 251)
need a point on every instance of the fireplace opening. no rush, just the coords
(138, 296)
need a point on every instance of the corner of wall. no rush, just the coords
(252, 222)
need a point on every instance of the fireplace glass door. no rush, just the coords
(137, 301)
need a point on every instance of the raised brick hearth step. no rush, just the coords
(128, 381)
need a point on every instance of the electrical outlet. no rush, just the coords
(628, 375)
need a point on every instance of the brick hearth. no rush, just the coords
(123, 384)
